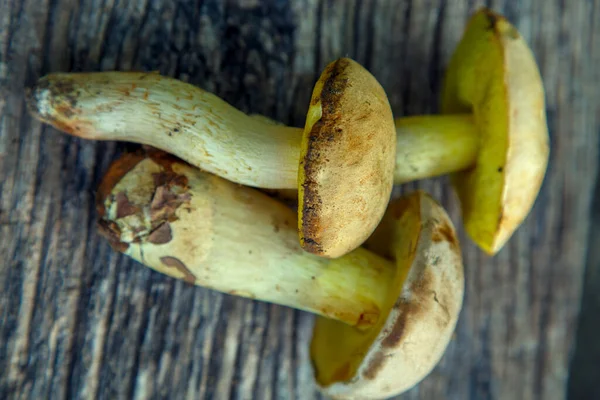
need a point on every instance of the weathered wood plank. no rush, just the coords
(79, 321)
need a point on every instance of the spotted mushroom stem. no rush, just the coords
(210, 232)
(174, 116)
(209, 133)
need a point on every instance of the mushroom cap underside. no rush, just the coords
(425, 299)
(493, 74)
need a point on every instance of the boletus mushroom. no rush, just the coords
(342, 165)
(384, 315)
(491, 137)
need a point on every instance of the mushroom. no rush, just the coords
(342, 165)
(493, 78)
(491, 137)
(384, 316)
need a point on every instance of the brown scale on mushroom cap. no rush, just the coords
(324, 134)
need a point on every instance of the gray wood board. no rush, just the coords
(80, 321)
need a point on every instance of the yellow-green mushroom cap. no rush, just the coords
(347, 160)
(494, 76)
(424, 300)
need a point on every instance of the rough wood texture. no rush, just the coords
(79, 321)
(583, 382)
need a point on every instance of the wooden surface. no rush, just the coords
(584, 373)
(80, 321)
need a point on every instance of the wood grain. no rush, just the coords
(79, 321)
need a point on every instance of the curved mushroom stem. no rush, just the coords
(209, 133)
(174, 116)
(433, 145)
(196, 226)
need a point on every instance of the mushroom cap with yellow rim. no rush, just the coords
(494, 76)
(417, 323)
(347, 160)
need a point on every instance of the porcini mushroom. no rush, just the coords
(383, 320)
(492, 138)
(342, 165)
(494, 77)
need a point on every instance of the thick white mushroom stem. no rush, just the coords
(195, 226)
(209, 133)
(174, 116)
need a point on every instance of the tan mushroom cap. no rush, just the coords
(347, 160)
(425, 300)
(493, 74)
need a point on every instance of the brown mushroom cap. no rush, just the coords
(493, 75)
(347, 160)
(425, 299)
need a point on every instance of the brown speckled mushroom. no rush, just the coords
(385, 315)
(342, 164)
(492, 136)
